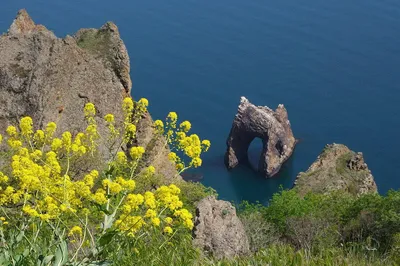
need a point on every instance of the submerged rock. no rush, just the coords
(51, 79)
(218, 231)
(272, 127)
(337, 168)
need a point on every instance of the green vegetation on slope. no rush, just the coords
(58, 207)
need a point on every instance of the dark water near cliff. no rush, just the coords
(334, 64)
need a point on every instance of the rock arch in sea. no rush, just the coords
(272, 127)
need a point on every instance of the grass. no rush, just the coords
(95, 41)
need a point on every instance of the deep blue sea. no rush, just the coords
(334, 64)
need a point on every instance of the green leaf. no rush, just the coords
(100, 263)
(61, 256)
(4, 260)
(26, 252)
(107, 237)
(103, 209)
(20, 236)
(43, 261)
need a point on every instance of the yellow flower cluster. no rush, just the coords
(127, 108)
(26, 126)
(76, 230)
(142, 105)
(158, 207)
(120, 184)
(37, 180)
(89, 110)
(40, 183)
(190, 145)
(159, 126)
(185, 126)
(113, 131)
(109, 118)
(136, 152)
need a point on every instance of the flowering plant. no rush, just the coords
(52, 213)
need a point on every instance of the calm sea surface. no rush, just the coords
(334, 64)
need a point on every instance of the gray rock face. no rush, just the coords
(218, 231)
(272, 127)
(337, 168)
(51, 79)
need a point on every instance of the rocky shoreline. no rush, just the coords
(49, 79)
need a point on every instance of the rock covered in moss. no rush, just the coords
(337, 168)
(218, 231)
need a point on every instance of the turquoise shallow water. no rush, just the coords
(334, 64)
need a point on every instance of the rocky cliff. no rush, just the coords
(337, 168)
(218, 231)
(272, 127)
(51, 79)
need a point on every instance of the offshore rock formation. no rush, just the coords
(337, 168)
(218, 231)
(272, 127)
(51, 79)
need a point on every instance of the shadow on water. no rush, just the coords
(249, 184)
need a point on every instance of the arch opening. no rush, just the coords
(254, 153)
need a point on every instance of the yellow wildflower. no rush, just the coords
(56, 144)
(151, 170)
(159, 126)
(196, 162)
(109, 118)
(130, 129)
(206, 145)
(121, 158)
(89, 110)
(76, 230)
(150, 213)
(168, 230)
(127, 105)
(134, 200)
(50, 129)
(136, 152)
(150, 200)
(67, 139)
(144, 102)
(39, 137)
(11, 131)
(100, 197)
(168, 220)
(31, 212)
(185, 126)
(155, 221)
(172, 156)
(26, 126)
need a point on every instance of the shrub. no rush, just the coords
(261, 232)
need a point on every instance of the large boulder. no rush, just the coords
(218, 231)
(272, 127)
(337, 168)
(51, 79)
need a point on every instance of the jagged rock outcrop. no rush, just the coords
(337, 168)
(51, 79)
(218, 231)
(272, 127)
